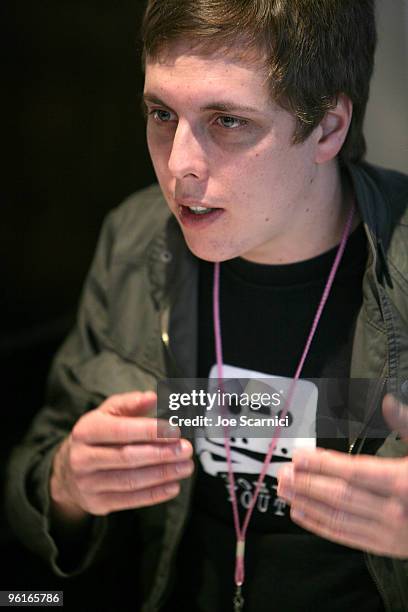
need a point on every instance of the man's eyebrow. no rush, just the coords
(229, 107)
(223, 107)
(152, 99)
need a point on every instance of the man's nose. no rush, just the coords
(187, 158)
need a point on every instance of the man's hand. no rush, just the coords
(117, 458)
(357, 501)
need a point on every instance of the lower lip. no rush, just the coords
(189, 219)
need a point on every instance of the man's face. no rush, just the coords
(217, 141)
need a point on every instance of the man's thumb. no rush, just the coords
(396, 415)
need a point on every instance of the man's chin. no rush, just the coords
(204, 255)
(212, 254)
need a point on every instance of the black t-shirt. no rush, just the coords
(266, 314)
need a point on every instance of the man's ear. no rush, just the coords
(333, 129)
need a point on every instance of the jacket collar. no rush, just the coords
(374, 206)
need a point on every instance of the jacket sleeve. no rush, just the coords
(28, 473)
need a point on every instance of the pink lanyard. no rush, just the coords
(241, 532)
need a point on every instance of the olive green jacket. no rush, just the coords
(137, 323)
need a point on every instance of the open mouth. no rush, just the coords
(200, 210)
(194, 215)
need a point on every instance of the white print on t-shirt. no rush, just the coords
(247, 454)
(244, 491)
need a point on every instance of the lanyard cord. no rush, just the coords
(241, 532)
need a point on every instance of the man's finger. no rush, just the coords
(335, 493)
(396, 415)
(126, 481)
(92, 458)
(104, 503)
(103, 428)
(343, 528)
(376, 474)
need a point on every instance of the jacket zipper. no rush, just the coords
(165, 339)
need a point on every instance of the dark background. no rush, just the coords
(73, 147)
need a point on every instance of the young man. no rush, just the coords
(254, 125)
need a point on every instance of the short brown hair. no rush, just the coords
(313, 50)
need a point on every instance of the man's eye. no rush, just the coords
(161, 116)
(231, 122)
